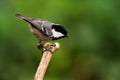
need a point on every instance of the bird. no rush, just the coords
(44, 30)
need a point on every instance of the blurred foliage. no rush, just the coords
(92, 51)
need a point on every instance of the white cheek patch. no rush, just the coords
(57, 34)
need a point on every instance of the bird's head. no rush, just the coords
(58, 31)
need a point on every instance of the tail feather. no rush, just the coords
(24, 18)
(20, 16)
(31, 21)
(27, 19)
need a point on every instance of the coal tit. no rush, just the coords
(44, 30)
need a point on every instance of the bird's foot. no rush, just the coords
(46, 47)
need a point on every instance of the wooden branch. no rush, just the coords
(46, 57)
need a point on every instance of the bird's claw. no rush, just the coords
(46, 47)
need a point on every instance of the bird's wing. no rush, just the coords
(44, 27)
(47, 28)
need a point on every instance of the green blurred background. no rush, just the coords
(92, 51)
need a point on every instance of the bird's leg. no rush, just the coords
(40, 45)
